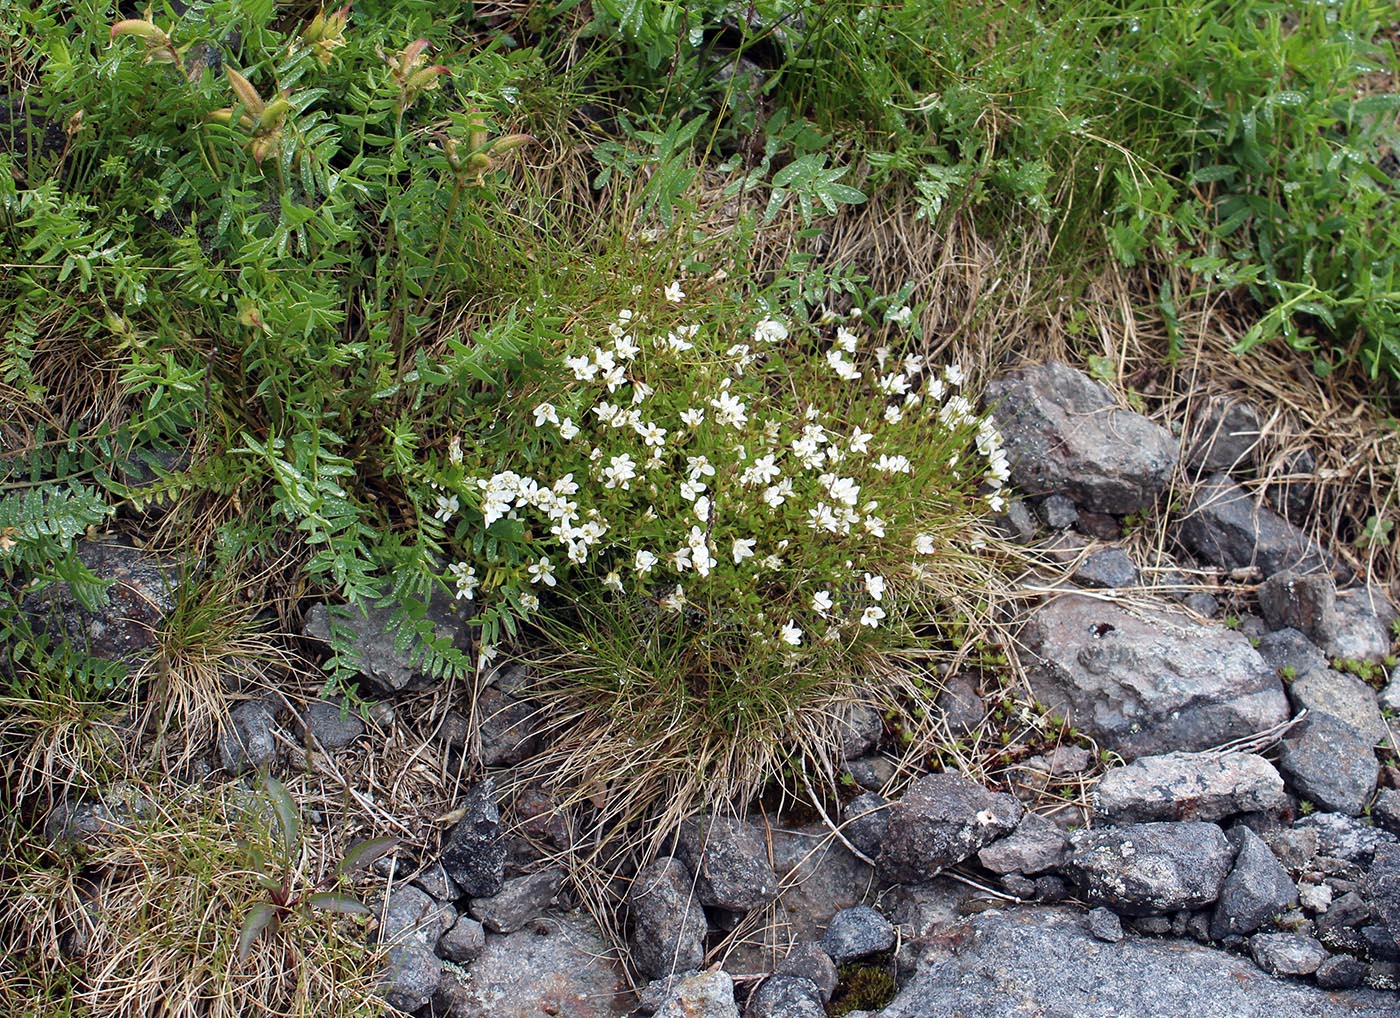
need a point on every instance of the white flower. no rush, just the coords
(607, 413)
(844, 369)
(693, 417)
(625, 347)
(700, 552)
(530, 602)
(690, 490)
(702, 509)
(790, 634)
(770, 331)
(546, 412)
(643, 561)
(732, 411)
(485, 656)
(821, 602)
(543, 572)
(860, 441)
(902, 317)
(871, 616)
(615, 377)
(651, 434)
(894, 384)
(893, 464)
(923, 544)
(674, 293)
(763, 470)
(466, 579)
(676, 343)
(821, 517)
(641, 392)
(875, 586)
(953, 374)
(777, 494)
(995, 502)
(675, 600)
(894, 414)
(584, 370)
(447, 506)
(743, 548)
(613, 581)
(875, 526)
(454, 451)
(697, 467)
(565, 485)
(680, 559)
(913, 364)
(771, 563)
(567, 429)
(619, 472)
(936, 388)
(843, 489)
(846, 339)
(882, 354)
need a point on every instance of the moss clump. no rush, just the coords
(867, 986)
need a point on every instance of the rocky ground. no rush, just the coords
(1237, 853)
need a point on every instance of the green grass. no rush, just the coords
(279, 292)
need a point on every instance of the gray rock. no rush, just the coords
(865, 820)
(1036, 845)
(1104, 526)
(474, 855)
(1105, 925)
(1060, 761)
(730, 863)
(1345, 837)
(872, 772)
(1315, 898)
(1149, 869)
(1257, 889)
(1220, 436)
(668, 925)
(859, 730)
(1389, 698)
(1058, 512)
(708, 994)
(655, 993)
(411, 975)
(1064, 433)
(809, 961)
(518, 901)
(1305, 603)
(1108, 568)
(1383, 975)
(856, 933)
(89, 821)
(941, 820)
(1287, 954)
(380, 661)
(505, 727)
(1381, 889)
(1362, 632)
(1342, 696)
(247, 743)
(560, 966)
(1385, 811)
(1017, 523)
(141, 596)
(1291, 650)
(464, 941)
(1227, 527)
(1294, 847)
(1043, 963)
(1145, 682)
(1340, 972)
(1188, 786)
(785, 997)
(962, 707)
(332, 723)
(412, 913)
(435, 881)
(1203, 604)
(1329, 764)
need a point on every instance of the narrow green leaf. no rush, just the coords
(364, 853)
(262, 919)
(287, 818)
(331, 901)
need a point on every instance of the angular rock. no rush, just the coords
(1290, 650)
(810, 962)
(1329, 764)
(1188, 786)
(1221, 436)
(411, 975)
(1381, 889)
(962, 707)
(1287, 954)
(1036, 845)
(411, 913)
(1227, 527)
(1105, 925)
(247, 743)
(941, 820)
(1042, 962)
(1109, 568)
(560, 966)
(435, 881)
(506, 728)
(380, 661)
(860, 729)
(1385, 811)
(1058, 512)
(1340, 972)
(412, 924)
(1149, 869)
(464, 941)
(332, 723)
(785, 997)
(730, 863)
(1342, 696)
(1389, 698)
(864, 820)
(1362, 631)
(1345, 837)
(856, 933)
(474, 855)
(1064, 433)
(1146, 682)
(518, 901)
(872, 772)
(1305, 603)
(668, 925)
(708, 994)
(1257, 889)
